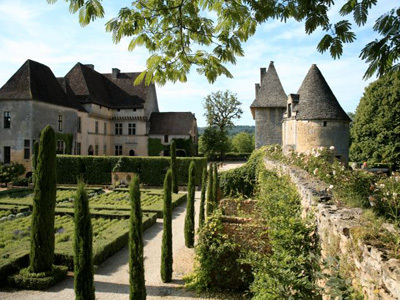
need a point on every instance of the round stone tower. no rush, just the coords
(314, 118)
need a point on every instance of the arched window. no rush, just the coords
(131, 153)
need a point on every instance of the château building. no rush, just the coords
(92, 114)
(311, 118)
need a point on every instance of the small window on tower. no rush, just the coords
(325, 123)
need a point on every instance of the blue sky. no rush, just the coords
(33, 29)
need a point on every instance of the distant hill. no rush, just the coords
(235, 130)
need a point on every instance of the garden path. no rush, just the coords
(112, 277)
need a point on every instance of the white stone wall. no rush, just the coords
(378, 276)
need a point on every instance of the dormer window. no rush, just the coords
(289, 110)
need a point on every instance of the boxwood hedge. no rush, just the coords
(97, 169)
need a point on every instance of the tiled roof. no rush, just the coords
(270, 92)
(35, 81)
(316, 99)
(92, 87)
(176, 123)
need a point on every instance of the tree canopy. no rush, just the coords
(376, 126)
(209, 34)
(221, 109)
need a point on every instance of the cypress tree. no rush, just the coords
(203, 197)
(83, 246)
(44, 201)
(215, 186)
(34, 159)
(174, 167)
(136, 265)
(210, 202)
(189, 218)
(166, 251)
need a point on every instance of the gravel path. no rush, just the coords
(112, 277)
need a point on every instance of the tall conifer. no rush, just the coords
(174, 168)
(166, 251)
(203, 197)
(189, 219)
(44, 201)
(215, 187)
(83, 247)
(210, 201)
(136, 264)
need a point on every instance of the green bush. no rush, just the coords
(189, 218)
(10, 172)
(44, 202)
(290, 270)
(97, 169)
(220, 260)
(38, 281)
(83, 247)
(136, 263)
(166, 250)
(242, 181)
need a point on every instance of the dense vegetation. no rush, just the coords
(284, 265)
(375, 130)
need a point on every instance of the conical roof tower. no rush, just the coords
(269, 93)
(268, 108)
(316, 99)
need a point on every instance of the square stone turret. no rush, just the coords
(268, 108)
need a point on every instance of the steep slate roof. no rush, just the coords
(35, 81)
(270, 93)
(316, 99)
(179, 123)
(92, 87)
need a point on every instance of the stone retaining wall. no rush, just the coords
(378, 276)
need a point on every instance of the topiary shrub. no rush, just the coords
(136, 264)
(174, 168)
(166, 251)
(83, 246)
(44, 201)
(189, 219)
(203, 197)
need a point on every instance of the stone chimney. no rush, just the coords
(90, 66)
(263, 71)
(115, 73)
(257, 88)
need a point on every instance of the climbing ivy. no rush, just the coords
(68, 139)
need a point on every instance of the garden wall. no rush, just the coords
(372, 271)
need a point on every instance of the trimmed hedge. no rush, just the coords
(16, 192)
(32, 281)
(97, 169)
(117, 238)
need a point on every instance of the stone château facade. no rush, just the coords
(91, 113)
(311, 118)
